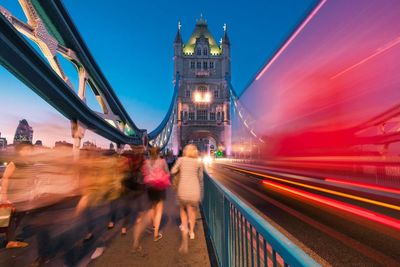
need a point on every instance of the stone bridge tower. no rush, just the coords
(203, 108)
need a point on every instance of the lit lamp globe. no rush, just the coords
(197, 97)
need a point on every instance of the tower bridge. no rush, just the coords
(311, 175)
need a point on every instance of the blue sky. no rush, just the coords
(132, 43)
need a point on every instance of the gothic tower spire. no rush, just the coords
(225, 39)
(178, 37)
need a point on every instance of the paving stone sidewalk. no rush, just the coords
(161, 253)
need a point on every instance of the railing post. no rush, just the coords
(227, 238)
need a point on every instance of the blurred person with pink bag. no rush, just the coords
(157, 180)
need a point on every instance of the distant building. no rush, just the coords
(63, 144)
(89, 145)
(112, 146)
(38, 143)
(3, 142)
(24, 133)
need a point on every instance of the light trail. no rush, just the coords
(331, 180)
(382, 219)
(378, 52)
(373, 187)
(294, 35)
(332, 192)
(332, 232)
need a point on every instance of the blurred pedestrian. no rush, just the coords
(189, 191)
(99, 183)
(130, 166)
(22, 169)
(156, 178)
(170, 158)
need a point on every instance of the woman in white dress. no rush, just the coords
(189, 190)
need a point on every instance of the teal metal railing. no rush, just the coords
(241, 237)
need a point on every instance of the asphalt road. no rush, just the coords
(331, 236)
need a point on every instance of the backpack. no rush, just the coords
(155, 177)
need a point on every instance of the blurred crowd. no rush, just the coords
(57, 196)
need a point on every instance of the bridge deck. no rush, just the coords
(53, 231)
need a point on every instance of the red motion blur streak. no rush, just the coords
(379, 51)
(378, 188)
(299, 29)
(337, 71)
(376, 217)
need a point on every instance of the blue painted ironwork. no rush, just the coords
(161, 135)
(244, 115)
(24, 62)
(19, 57)
(239, 234)
(57, 19)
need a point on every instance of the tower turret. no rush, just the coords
(225, 39)
(226, 52)
(178, 42)
(178, 46)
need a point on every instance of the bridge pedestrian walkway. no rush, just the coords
(161, 253)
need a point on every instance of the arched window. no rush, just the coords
(198, 51)
(205, 51)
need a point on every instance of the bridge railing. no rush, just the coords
(241, 237)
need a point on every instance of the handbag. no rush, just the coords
(6, 211)
(157, 178)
